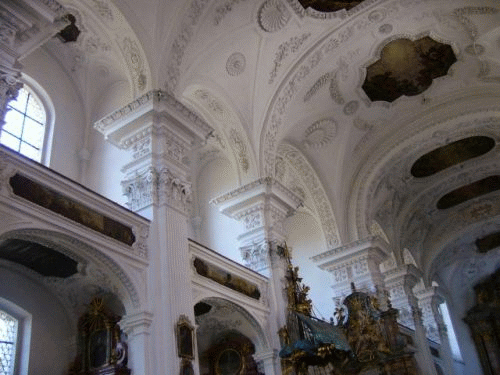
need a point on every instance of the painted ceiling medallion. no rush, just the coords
(320, 133)
(235, 64)
(451, 154)
(329, 5)
(488, 242)
(468, 192)
(407, 68)
(273, 15)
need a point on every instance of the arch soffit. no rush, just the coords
(310, 179)
(262, 341)
(458, 246)
(114, 28)
(105, 270)
(230, 136)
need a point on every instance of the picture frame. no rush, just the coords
(185, 338)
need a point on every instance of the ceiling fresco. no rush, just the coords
(451, 154)
(407, 68)
(488, 242)
(468, 192)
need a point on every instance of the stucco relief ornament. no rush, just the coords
(320, 133)
(173, 191)
(139, 189)
(235, 64)
(273, 15)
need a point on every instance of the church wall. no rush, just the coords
(104, 175)
(306, 239)
(50, 328)
(69, 125)
(218, 232)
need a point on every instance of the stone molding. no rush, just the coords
(264, 184)
(347, 250)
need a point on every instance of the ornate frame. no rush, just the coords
(185, 338)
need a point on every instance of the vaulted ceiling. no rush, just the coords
(338, 105)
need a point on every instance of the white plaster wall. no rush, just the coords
(50, 329)
(69, 125)
(104, 174)
(218, 232)
(305, 237)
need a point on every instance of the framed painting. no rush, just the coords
(185, 338)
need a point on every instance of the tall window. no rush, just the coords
(24, 128)
(8, 341)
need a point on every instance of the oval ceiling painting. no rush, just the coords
(451, 154)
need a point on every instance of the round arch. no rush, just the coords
(94, 268)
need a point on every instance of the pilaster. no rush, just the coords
(358, 263)
(262, 206)
(137, 328)
(268, 363)
(400, 282)
(429, 299)
(160, 133)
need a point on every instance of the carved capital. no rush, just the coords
(255, 256)
(172, 190)
(137, 323)
(9, 89)
(139, 189)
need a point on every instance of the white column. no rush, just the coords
(160, 132)
(262, 206)
(268, 363)
(137, 328)
(400, 283)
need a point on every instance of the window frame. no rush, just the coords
(24, 318)
(48, 106)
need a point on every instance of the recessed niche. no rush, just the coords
(451, 154)
(407, 67)
(488, 242)
(329, 5)
(468, 192)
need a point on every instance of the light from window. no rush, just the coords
(24, 127)
(8, 340)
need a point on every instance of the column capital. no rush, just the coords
(262, 206)
(373, 246)
(407, 274)
(156, 112)
(357, 262)
(136, 323)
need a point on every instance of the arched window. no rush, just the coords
(8, 342)
(24, 128)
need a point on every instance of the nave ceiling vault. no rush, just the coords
(268, 75)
